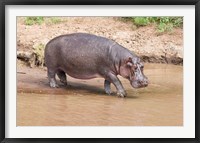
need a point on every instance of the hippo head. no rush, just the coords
(132, 69)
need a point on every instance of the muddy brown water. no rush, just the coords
(84, 103)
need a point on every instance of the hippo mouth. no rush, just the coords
(139, 84)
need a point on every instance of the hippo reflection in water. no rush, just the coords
(86, 56)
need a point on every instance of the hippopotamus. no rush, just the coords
(86, 56)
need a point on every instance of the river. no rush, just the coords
(84, 103)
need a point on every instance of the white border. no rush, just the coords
(187, 131)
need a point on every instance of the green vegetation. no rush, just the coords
(38, 50)
(32, 20)
(163, 23)
(140, 21)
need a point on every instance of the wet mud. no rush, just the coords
(84, 102)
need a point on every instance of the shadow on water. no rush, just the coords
(71, 87)
(76, 87)
(83, 87)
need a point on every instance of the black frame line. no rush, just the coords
(3, 4)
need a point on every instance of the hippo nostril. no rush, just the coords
(145, 82)
(142, 83)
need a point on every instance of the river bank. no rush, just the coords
(146, 41)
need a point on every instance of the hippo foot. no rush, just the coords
(63, 82)
(54, 85)
(110, 93)
(121, 94)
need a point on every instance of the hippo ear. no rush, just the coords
(129, 62)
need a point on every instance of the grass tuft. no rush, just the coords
(163, 23)
(34, 20)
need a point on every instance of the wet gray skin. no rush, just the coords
(86, 56)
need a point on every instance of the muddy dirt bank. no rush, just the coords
(146, 42)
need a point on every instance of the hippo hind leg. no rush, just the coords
(62, 76)
(52, 79)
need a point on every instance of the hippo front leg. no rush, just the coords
(114, 79)
(107, 87)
